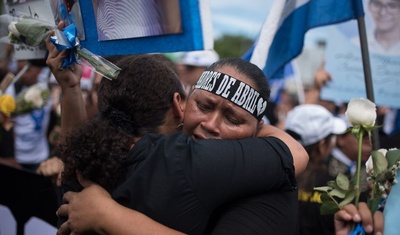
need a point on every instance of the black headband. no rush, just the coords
(234, 90)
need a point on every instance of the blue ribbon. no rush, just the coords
(69, 37)
(358, 230)
(37, 117)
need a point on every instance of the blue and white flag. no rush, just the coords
(282, 36)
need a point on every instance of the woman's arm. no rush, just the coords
(225, 167)
(93, 210)
(72, 104)
(300, 156)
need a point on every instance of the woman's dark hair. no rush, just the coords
(249, 70)
(134, 104)
(97, 150)
(144, 90)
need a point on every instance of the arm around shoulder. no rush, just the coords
(93, 210)
(300, 156)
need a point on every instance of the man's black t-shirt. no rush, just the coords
(180, 182)
(269, 213)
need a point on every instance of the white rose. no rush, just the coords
(361, 111)
(369, 166)
(13, 29)
(34, 95)
(383, 151)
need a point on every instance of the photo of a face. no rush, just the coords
(384, 36)
(382, 23)
(139, 18)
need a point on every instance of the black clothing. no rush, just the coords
(270, 213)
(310, 219)
(180, 182)
(6, 142)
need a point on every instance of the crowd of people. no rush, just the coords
(187, 146)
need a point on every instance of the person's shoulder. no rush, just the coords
(275, 141)
(155, 139)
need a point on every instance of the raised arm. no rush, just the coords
(72, 104)
(321, 78)
(300, 156)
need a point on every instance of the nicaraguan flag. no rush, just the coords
(282, 36)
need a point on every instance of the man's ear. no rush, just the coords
(178, 106)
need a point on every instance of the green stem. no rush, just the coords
(358, 175)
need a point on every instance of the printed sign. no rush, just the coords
(344, 61)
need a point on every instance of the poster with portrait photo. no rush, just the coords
(344, 61)
(193, 32)
(140, 18)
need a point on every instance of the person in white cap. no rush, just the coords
(316, 129)
(192, 64)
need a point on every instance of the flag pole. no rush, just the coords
(367, 73)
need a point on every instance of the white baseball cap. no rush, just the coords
(313, 123)
(199, 58)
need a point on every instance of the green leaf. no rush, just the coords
(338, 193)
(323, 188)
(356, 131)
(373, 204)
(350, 195)
(370, 128)
(329, 208)
(342, 181)
(325, 198)
(379, 161)
(393, 156)
(353, 182)
(332, 184)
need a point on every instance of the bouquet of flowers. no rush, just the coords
(33, 32)
(35, 97)
(381, 167)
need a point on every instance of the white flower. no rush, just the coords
(383, 151)
(361, 111)
(13, 29)
(369, 165)
(34, 95)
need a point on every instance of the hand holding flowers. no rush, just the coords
(382, 165)
(33, 32)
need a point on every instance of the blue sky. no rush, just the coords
(246, 17)
(238, 16)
